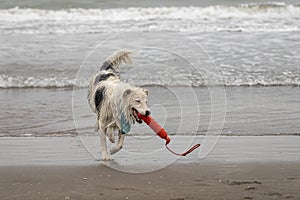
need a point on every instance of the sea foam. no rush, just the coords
(245, 17)
(237, 80)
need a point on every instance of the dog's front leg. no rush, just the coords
(110, 134)
(119, 146)
(105, 155)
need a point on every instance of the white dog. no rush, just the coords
(116, 103)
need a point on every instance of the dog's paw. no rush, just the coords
(106, 157)
(115, 149)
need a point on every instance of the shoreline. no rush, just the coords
(148, 153)
(272, 110)
(74, 134)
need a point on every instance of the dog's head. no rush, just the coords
(136, 100)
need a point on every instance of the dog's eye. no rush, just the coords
(138, 101)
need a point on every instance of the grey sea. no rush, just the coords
(215, 67)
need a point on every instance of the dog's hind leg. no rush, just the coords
(105, 155)
(119, 146)
(97, 123)
(97, 127)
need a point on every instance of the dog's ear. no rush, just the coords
(126, 93)
(146, 91)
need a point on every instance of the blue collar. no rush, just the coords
(125, 125)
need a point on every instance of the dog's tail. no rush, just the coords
(113, 61)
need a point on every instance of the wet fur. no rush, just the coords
(109, 97)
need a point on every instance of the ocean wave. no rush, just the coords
(35, 82)
(54, 82)
(277, 10)
(269, 10)
(245, 17)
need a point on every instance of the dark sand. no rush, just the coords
(241, 181)
(253, 167)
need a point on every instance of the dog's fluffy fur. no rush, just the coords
(111, 99)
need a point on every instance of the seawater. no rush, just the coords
(250, 48)
(246, 111)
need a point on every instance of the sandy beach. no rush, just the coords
(224, 74)
(241, 181)
(241, 167)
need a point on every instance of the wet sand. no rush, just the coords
(245, 167)
(147, 153)
(222, 181)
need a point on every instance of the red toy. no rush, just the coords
(161, 132)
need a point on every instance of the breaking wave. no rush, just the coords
(245, 17)
(31, 82)
(54, 82)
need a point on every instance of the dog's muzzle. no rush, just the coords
(135, 115)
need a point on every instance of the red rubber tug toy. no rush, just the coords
(161, 132)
